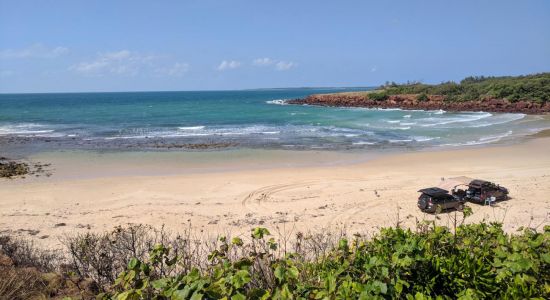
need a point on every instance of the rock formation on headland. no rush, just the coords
(528, 94)
(432, 102)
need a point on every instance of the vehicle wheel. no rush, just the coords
(460, 207)
(423, 204)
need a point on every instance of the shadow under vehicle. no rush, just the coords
(435, 199)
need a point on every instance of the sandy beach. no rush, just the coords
(359, 193)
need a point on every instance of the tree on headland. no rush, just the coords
(534, 87)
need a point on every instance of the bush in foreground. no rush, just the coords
(477, 261)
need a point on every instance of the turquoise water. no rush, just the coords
(252, 118)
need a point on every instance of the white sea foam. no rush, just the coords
(424, 138)
(364, 143)
(277, 102)
(27, 129)
(191, 128)
(499, 119)
(482, 140)
(462, 118)
(400, 141)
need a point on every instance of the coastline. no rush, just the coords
(411, 102)
(285, 190)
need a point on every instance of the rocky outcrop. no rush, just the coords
(432, 103)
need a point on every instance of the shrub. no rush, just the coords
(23, 253)
(422, 97)
(476, 261)
(535, 87)
(378, 96)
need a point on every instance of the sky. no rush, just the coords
(115, 45)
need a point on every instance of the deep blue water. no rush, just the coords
(254, 118)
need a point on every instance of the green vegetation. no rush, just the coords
(475, 261)
(378, 96)
(422, 97)
(534, 88)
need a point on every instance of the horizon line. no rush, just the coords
(205, 90)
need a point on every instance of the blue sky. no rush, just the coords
(71, 46)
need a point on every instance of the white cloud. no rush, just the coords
(123, 62)
(373, 69)
(130, 63)
(228, 64)
(176, 70)
(34, 51)
(280, 65)
(265, 61)
(284, 65)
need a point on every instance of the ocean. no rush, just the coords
(247, 118)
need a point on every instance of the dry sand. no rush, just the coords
(360, 197)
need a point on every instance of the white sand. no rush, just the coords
(360, 197)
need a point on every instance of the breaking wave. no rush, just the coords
(277, 101)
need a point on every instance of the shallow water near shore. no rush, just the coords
(253, 119)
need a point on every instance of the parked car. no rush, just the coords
(435, 199)
(482, 192)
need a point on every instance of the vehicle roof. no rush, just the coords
(434, 191)
(478, 182)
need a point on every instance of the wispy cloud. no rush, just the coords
(176, 70)
(125, 62)
(262, 62)
(34, 51)
(374, 69)
(284, 65)
(279, 65)
(228, 64)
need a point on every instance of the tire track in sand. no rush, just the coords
(263, 194)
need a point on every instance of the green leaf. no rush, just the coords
(240, 278)
(128, 295)
(238, 296)
(343, 245)
(133, 264)
(279, 273)
(292, 272)
(259, 232)
(160, 284)
(237, 241)
(181, 294)
(197, 296)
